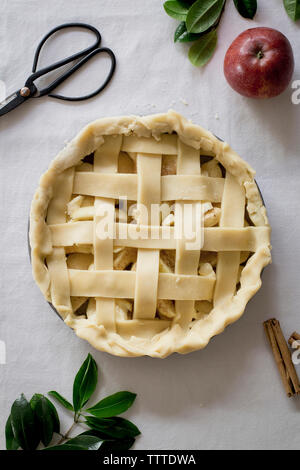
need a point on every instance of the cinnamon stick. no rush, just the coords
(282, 357)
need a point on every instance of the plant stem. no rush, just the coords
(66, 436)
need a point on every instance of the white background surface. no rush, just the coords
(228, 396)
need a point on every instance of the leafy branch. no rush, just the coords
(32, 423)
(199, 21)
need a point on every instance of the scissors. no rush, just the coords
(29, 90)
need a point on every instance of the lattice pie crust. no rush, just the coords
(148, 296)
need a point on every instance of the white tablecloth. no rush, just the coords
(228, 396)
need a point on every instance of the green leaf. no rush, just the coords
(61, 400)
(80, 442)
(85, 383)
(46, 417)
(176, 10)
(109, 444)
(203, 14)
(11, 443)
(113, 405)
(246, 8)
(181, 34)
(116, 428)
(117, 446)
(201, 52)
(24, 425)
(292, 8)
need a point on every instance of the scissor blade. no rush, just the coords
(11, 102)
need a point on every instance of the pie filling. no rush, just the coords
(144, 287)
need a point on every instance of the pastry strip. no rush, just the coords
(215, 238)
(142, 328)
(147, 267)
(121, 285)
(173, 187)
(187, 261)
(105, 161)
(56, 261)
(166, 145)
(232, 215)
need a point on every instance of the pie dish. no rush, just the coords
(148, 289)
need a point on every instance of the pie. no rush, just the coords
(148, 235)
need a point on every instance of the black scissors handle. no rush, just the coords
(72, 57)
(31, 91)
(58, 81)
(85, 55)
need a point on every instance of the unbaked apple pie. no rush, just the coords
(148, 235)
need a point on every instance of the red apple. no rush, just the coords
(259, 63)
